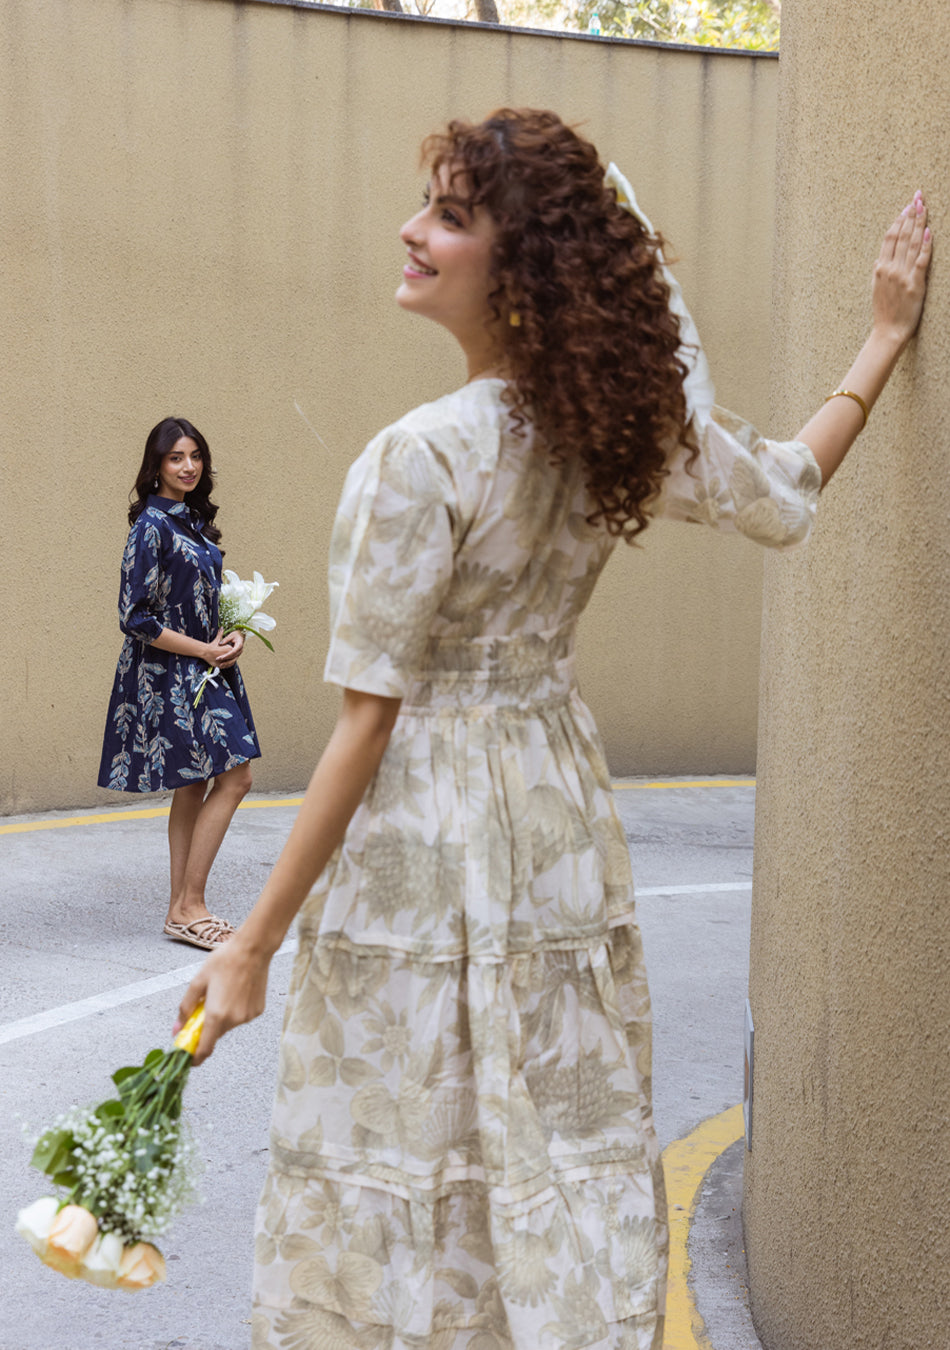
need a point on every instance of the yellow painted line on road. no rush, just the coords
(685, 1164)
(106, 817)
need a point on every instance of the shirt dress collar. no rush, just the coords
(171, 507)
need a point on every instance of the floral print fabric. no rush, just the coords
(462, 1152)
(155, 738)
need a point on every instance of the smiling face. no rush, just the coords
(180, 470)
(447, 274)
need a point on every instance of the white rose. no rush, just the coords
(36, 1220)
(100, 1264)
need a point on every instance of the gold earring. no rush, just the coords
(514, 318)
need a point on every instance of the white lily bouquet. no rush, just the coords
(128, 1168)
(238, 603)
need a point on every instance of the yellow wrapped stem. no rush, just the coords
(190, 1034)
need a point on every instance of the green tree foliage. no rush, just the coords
(750, 24)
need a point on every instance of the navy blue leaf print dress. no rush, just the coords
(154, 738)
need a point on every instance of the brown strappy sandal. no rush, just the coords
(204, 933)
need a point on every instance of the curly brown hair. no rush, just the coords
(592, 353)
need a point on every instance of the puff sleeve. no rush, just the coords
(141, 591)
(766, 490)
(391, 558)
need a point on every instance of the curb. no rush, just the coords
(685, 1164)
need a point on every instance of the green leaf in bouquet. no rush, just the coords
(153, 1058)
(131, 1082)
(67, 1177)
(53, 1149)
(110, 1110)
(266, 641)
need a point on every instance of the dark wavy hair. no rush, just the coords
(160, 440)
(593, 354)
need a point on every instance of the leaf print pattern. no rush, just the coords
(119, 771)
(212, 724)
(766, 490)
(462, 1148)
(153, 740)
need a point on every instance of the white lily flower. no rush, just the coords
(100, 1264)
(239, 610)
(35, 1222)
(258, 590)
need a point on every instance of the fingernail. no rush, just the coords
(927, 232)
(177, 1027)
(905, 210)
(920, 207)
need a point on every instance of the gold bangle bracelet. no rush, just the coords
(849, 393)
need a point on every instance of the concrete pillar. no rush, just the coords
(847, 1184)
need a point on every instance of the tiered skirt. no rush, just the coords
(462, 1149)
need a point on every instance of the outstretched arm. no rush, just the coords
(233, 981)
(900, 283)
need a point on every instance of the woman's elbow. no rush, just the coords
(370, 715)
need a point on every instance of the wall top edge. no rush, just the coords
(506, 29)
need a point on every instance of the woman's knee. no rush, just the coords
(239, 780)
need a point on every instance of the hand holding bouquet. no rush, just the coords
(239, 602)
(128, 1168)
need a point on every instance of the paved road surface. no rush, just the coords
(81, 919)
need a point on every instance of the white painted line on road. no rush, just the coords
(694, 890)
(111, 998)
(128, 993)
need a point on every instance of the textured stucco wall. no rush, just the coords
(847, 1181)
(199, 205)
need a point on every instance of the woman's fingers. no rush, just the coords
(233, 985)
(913, 224)
(190, 1000)
(900, 275)
(211, 1032)
(889, 246)
(898, 237)
(197, 992)
(926, 249)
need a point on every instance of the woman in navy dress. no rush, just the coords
(155, 738)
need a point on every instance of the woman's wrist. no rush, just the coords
(887, 341)
(259, 941)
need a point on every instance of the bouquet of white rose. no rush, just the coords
(128, 1167)
(238, 603)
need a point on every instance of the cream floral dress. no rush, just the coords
(462, 1153)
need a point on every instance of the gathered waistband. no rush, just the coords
(514, 670)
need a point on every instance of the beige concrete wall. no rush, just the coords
(847, 1181)
(200, 203)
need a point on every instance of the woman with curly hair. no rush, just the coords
(462, 1153)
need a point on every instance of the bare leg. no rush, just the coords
(186, 804)
(196, 826)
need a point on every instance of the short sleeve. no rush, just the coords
(140, 589)
(391, 558)
(766, 490)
